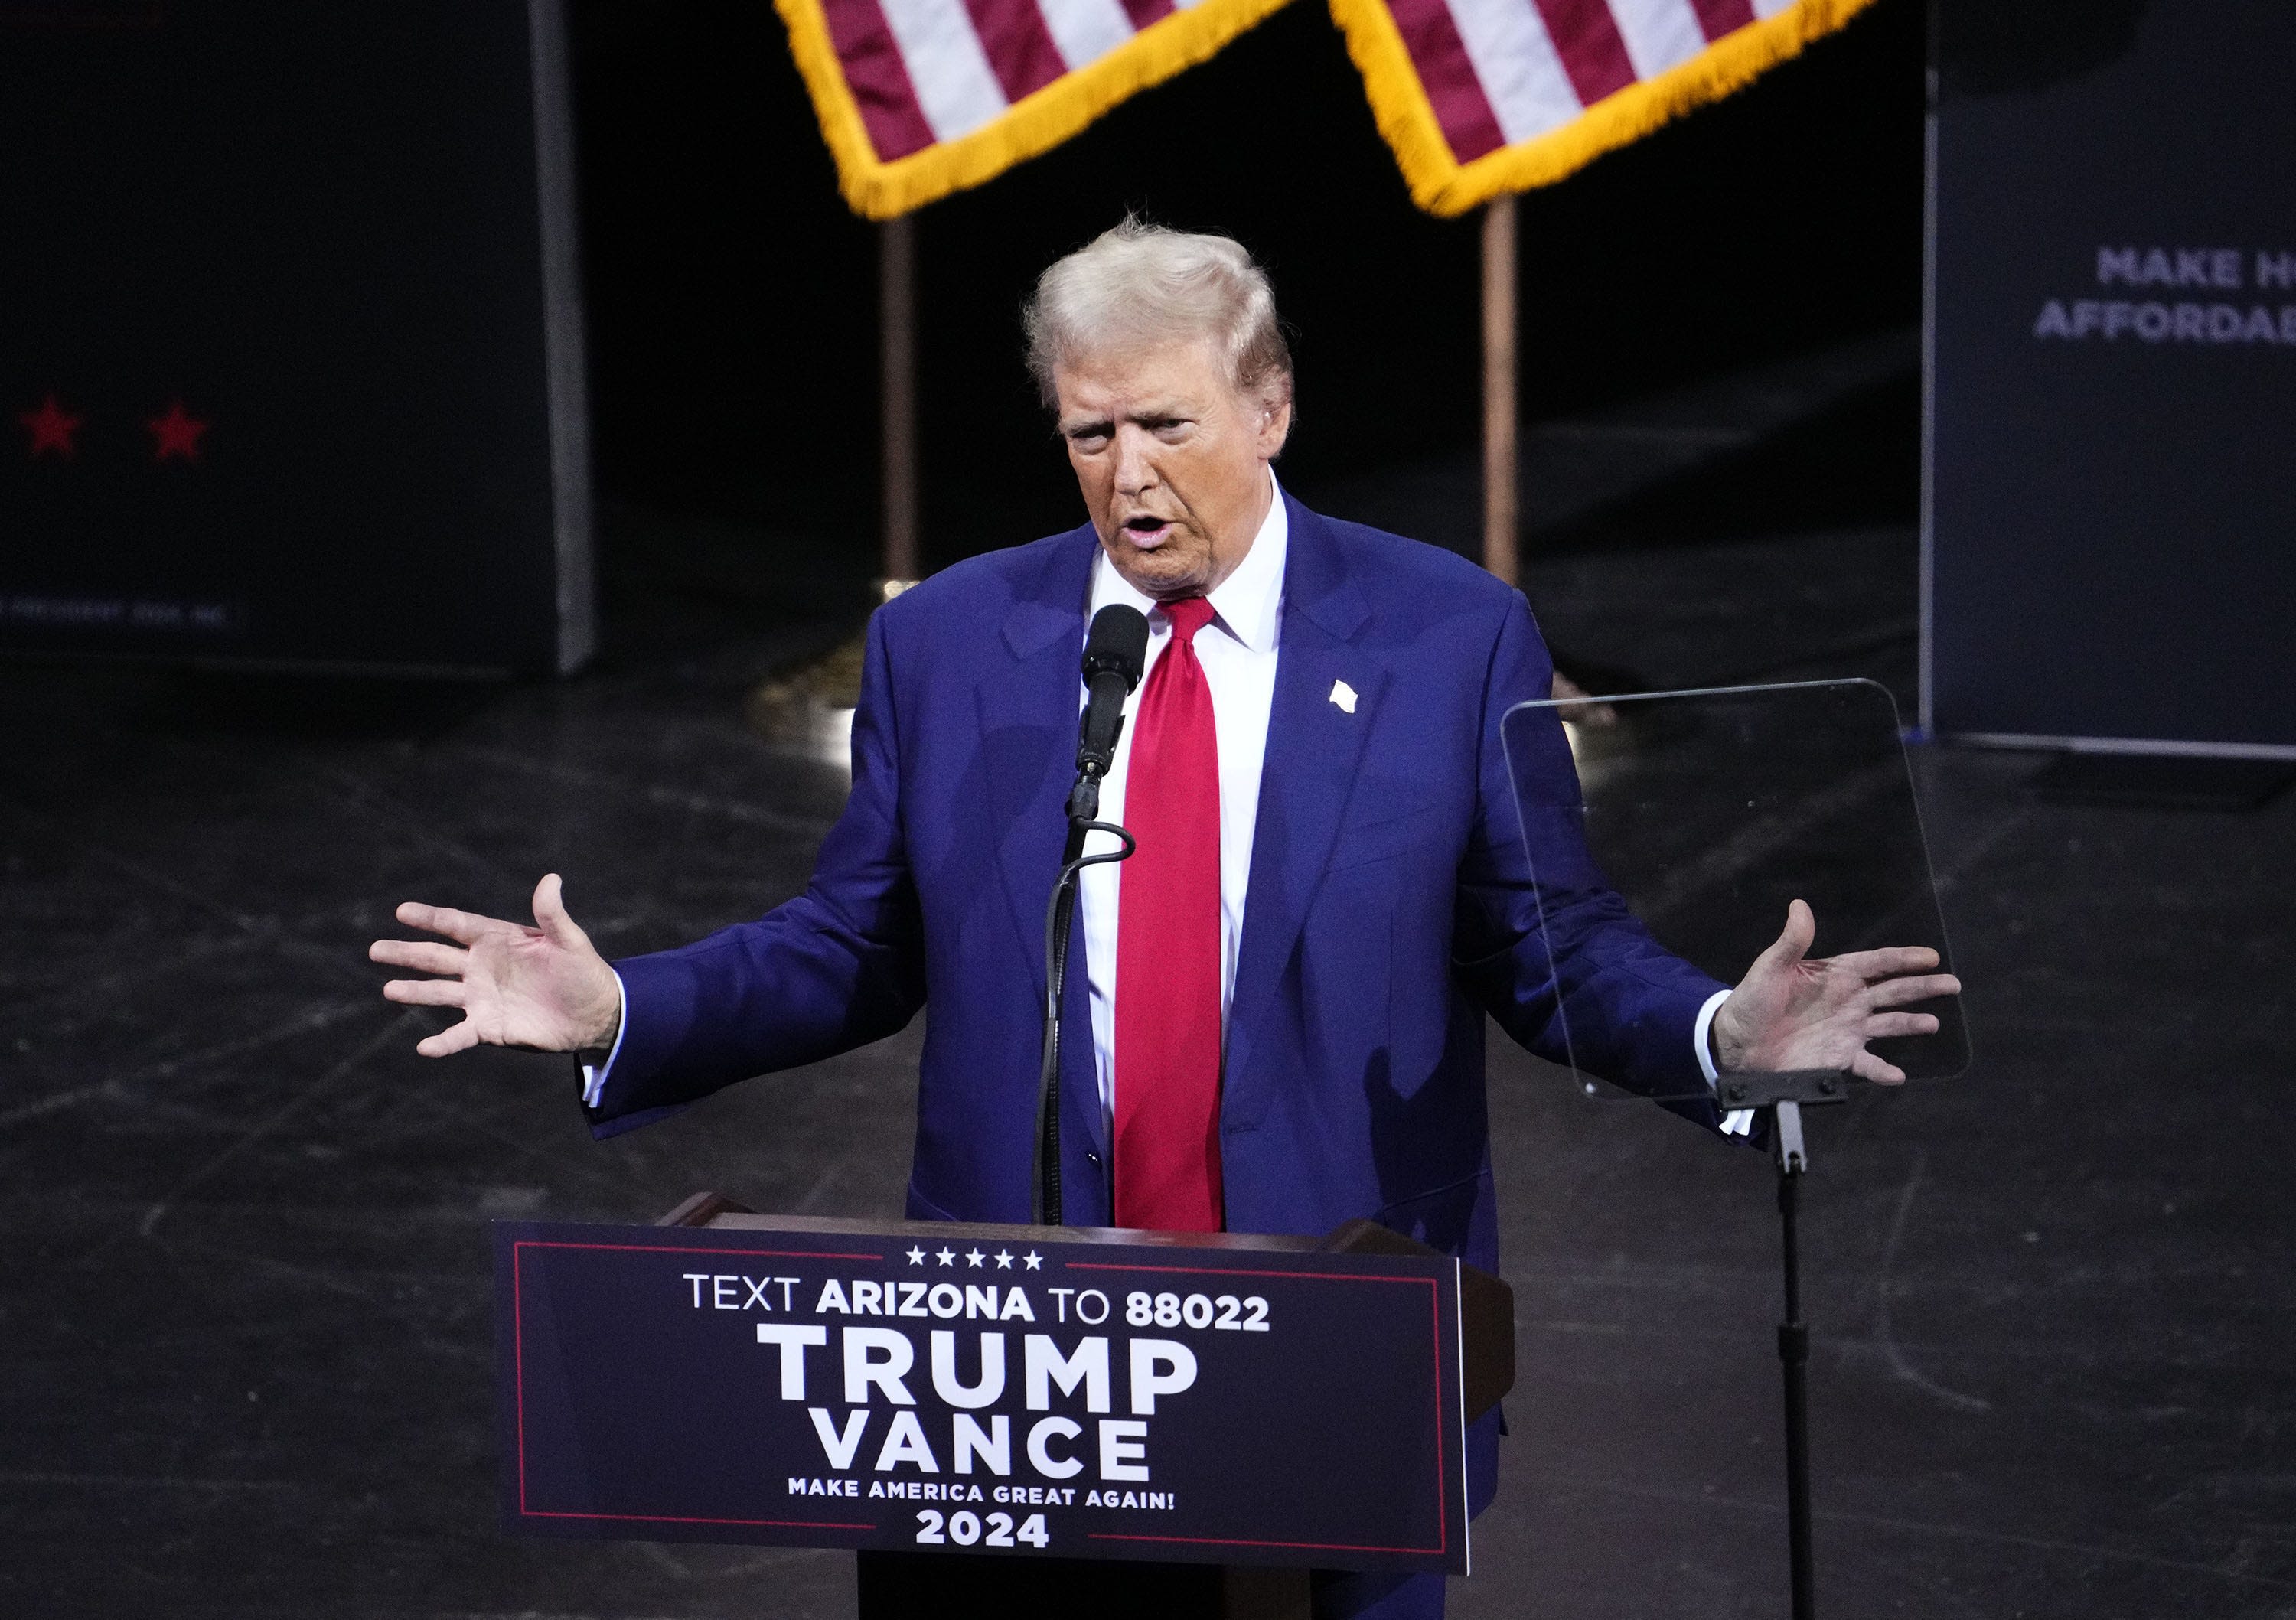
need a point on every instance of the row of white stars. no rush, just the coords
(976, 1259)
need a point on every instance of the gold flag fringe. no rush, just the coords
(1441, 185)
(1031, 125)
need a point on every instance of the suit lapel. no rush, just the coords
(1027, 705)
(1314, 749)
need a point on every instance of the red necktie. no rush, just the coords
(1167, 949)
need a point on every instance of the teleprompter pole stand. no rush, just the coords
(1793, 1354)
(1783, 1096)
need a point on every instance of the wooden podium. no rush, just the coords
(1271, 1396)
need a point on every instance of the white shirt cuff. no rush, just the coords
(1737, 1122)
(594, 1075)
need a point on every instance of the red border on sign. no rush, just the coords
(517, 1354)
(671, 1519)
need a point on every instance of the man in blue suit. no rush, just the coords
(1333, 886)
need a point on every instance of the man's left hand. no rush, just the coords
(1792, 1012)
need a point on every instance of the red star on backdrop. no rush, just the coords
(52, 427)
(176, 435)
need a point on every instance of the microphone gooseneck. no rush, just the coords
(1115, 652)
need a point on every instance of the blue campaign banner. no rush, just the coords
(932, 1388)
(2112, 289)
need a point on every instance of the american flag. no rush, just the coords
(1483, 97)
(919, 98)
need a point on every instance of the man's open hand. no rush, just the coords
(544, 987)
(1792, 1012)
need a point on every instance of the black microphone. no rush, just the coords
(1115, 650)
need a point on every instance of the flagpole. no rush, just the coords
(1500, 454)
(897, 320)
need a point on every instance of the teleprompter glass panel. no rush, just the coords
(1700, 816)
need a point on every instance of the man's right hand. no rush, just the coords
(544, 987)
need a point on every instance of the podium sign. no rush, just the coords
(979, 1389)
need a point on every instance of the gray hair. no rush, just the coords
(1141, 286)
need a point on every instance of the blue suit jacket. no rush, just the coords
(1390, 904)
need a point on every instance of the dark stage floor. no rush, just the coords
(245, 1309)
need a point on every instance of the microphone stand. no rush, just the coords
(1783, 1097)
(1060, 916)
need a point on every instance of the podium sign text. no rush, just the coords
(917, 1388)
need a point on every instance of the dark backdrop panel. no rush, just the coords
(318, 230)
(2113, 451)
